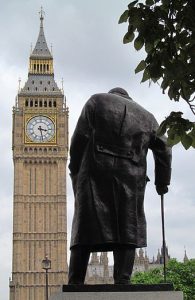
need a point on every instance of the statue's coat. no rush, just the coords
(108, 170)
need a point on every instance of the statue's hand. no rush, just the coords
(161, 189)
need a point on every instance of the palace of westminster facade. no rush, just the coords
(40, 152)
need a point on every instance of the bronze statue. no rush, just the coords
(108, 170)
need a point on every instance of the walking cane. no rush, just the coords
(163, 236)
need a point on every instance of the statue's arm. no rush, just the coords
(81, 137)
(162, 156)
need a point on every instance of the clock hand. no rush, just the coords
(41, 129)
(41, 135)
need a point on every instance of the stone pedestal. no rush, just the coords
(118, 292)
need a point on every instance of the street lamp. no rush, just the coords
(46, 265)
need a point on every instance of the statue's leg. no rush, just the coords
(79, 258)
(123, 264)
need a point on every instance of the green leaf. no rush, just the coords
(132, 4)
(171, 93)
(155, 69)
(186, 141)
(124, 17)
(157, 42)
(149, 2)
(193, 143)
(128, 38)
(192, 135)
(165, 83)
(186, 92)
(135, 17)
(131, 29)
(148, 47)
(146, 76)
(140, 67)
(162, 129)
(155, 79)
(138, 43)
(175, 139)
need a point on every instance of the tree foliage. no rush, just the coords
(182, 275)
(166, 29)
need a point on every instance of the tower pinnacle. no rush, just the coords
(41, 72)
(41, 50)
(185, 256)
(41, 13)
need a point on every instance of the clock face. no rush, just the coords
(40, 129)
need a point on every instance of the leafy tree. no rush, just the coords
(153, 276)
(182, 275)
(166, 28)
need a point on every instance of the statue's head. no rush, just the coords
(119, 91)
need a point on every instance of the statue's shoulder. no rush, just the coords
(97, 99)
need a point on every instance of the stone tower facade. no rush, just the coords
(98, 270)
(40, 149)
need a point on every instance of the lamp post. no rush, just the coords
(46, 265)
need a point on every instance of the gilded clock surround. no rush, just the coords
(28, 117)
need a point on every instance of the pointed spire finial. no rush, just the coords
(185, 255)
(41, 13)
(62, 84)
(19, 82)
(16, 101)
(145, 253)
(41, 49)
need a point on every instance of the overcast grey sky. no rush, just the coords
(89, 55)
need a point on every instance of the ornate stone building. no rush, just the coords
(100, 272)
(40, 149)
(141, 263)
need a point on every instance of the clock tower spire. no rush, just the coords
(40, 150)
(41, 60)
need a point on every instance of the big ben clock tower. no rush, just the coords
(40, 146)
